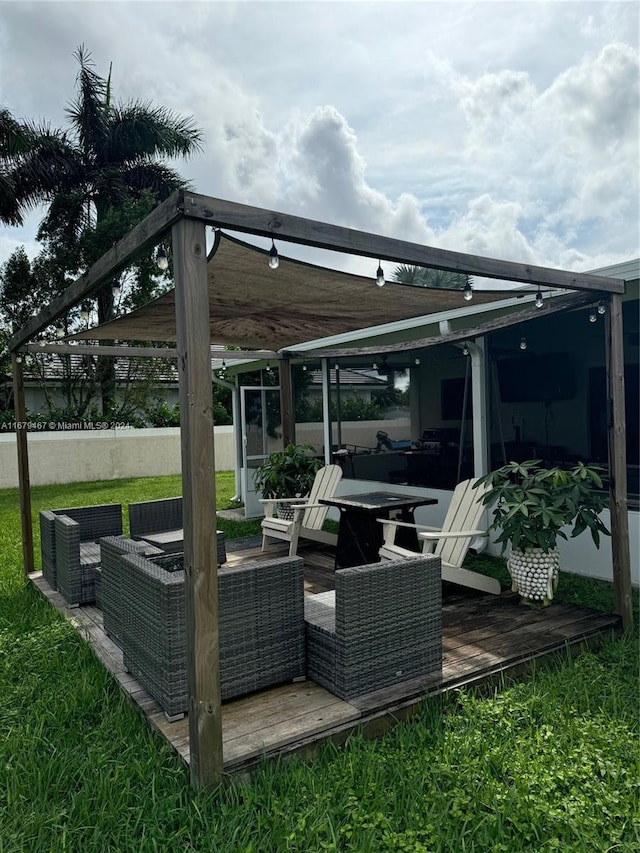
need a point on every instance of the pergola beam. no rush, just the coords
(322, 235)
(551, 306)
(146, 234)
(121, 350)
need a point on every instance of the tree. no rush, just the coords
(110, 154)
(430, 277)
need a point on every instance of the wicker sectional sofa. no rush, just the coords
(261, 626)
(69, 541)
(381, 626)
(160, 523)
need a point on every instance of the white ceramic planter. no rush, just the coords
(534, 574)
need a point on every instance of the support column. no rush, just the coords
(199, 501)
(287, 410)
(326, 410)
(617, 443)
(24, 485)
(477, 351)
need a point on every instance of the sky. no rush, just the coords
(507, 129)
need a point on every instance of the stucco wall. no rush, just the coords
(79, 456)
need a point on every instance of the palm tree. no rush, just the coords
(111, 154)
(430, 277)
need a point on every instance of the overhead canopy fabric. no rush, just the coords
(254, 307)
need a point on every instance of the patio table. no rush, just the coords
(360, 535)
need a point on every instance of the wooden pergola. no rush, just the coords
(185, 216)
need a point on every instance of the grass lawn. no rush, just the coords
(547, 764)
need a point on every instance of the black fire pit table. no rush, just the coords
(360, 535)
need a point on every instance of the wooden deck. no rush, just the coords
(484, 637)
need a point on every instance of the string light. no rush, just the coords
(602, 308)
(539, 299)
(162, 261)
(593, 315)
(374, 366)
(465, 350)
(84, 312)
(380, 275)
(468, 292)
(115, 289)
(304, 366)
(523, 343)
(274, 260)
(416, 361)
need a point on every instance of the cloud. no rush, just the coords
(524, 147)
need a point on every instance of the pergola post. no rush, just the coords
(287, 408)
(24, 485)
(199, 502)
(621, 558)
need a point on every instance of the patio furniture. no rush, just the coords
(308, 513)
(69, 540)
(381, 626)
(359, 534)
(260, 624)
(451, 542)
(113, 584)
(159, 522)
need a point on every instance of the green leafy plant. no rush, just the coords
(288, 473)
(532, 504)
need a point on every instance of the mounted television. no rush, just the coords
(537, 378)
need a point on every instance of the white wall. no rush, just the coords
(82, 455)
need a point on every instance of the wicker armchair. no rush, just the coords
(70, 552)
(113, 580)
(382, 625)
(160, 523)
(261, 626)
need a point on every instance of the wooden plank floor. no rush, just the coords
(483, 637)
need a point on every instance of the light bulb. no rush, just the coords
(268, 368)
(602, 308)
(115, 290)
(380, 275)
(274, 260)
(416, 361)
(224, 364)
(523, 343)
(593, 315)
(162, 262)
(374, 366)
(539, 299)
(304, 367)
(467, 292)
(337, 366)
(84, 311)
(465, 350)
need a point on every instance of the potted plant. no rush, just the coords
(532, 505)
(287, 473)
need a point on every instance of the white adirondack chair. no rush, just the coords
(308, 513)
(451, 542)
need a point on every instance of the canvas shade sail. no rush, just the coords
(254, 307)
